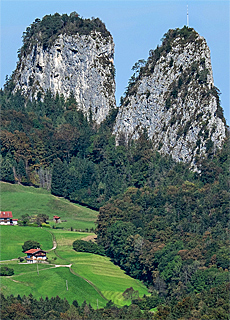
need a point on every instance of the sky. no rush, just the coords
(136, 26)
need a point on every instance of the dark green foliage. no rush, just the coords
(41, 218)
(30, 244)
(130, 294)
(30, 308)
(141, 228)
(88, 246)
(220, 113)
(59, 178)
(209, 278)
(6, 271)
(7, 169)
(21, 171)
(47, 30)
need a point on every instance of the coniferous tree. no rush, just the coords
(6, 169)
(59, 176)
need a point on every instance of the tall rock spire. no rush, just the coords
(175, 99)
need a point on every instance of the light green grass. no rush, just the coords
(22, 200)
(51, 282)
(107, 277)
(13, 237)
(24, 267)
(66, 238)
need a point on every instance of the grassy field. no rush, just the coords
(66, 238)
(107, 277)
(51, 282)
(13, 237)
(21, 200)
(91, 277)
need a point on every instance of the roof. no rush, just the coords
(56, 217)
(6, 214)
(34, 250)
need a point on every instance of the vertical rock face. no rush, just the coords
(78, 64)
(174, 98)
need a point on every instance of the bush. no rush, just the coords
(5, 271)
(45, 225)
(85, 246)
(32, 224)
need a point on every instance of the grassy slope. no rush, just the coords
(108, 278)
(21, 200)
(13, 237)
(66, 238)
(51, 282)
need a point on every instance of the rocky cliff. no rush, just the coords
(173, 96)
(75, 57)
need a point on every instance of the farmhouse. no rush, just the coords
(35, 255)
(6, 218)
(56, 219)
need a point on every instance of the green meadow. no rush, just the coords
(51, 282)
(66, 238)
(108, 278)
(13, 237)
(93, 278)
(32, 201)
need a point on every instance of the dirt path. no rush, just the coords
(54, 242)
(8, 260)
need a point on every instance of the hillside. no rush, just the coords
(22, 200)
(90, 277)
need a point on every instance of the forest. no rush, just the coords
(161, 222)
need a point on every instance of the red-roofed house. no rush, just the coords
(35, 255)
(56, 219)
(6, 218)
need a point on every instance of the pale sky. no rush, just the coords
(136, 27)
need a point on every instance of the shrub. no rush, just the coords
(5, 271)
(32, 224)
(85, 246)
(45, 225)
